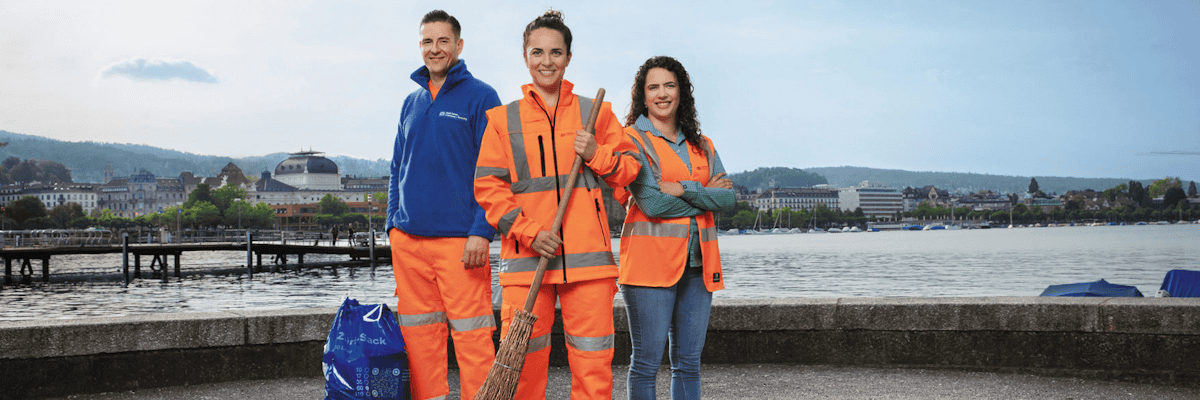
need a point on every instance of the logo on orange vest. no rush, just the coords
(716, 276)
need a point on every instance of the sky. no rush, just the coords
(1030, 88)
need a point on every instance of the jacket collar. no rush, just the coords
(565, 94)
(643, 124)
(457, 74)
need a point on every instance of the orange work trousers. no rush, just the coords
(587, 313)
(436, 290)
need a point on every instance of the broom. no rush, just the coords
(501, 383)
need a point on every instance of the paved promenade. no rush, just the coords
(753, 381)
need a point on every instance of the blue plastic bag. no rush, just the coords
(364, 355)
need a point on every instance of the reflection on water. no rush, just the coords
(996, 262)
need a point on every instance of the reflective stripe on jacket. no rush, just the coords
(522, 168)
(654, 251)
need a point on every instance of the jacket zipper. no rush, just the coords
(604, 234)
(557, 192)
(542, 153)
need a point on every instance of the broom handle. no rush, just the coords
(562, 204)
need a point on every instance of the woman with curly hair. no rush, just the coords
(669, 262)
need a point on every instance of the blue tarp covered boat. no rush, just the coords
(1100, 288)
(1182, 283)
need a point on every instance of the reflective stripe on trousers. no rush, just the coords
(597, 343)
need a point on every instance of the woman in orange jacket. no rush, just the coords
(670, 264)
(527, 150)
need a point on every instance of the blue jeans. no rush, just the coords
(678, 313)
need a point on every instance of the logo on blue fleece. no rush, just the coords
(449, 114)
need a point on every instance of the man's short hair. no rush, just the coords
(442, 16)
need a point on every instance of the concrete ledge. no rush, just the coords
(1143, 339)
(59, 338)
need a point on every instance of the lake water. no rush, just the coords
(991, 262)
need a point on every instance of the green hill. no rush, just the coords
(87, 160)
(776, 177)
(961, 182)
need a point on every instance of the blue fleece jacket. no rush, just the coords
(433, 166)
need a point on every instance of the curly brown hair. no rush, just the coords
(686, 120)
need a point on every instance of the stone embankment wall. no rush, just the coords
(1154, 340)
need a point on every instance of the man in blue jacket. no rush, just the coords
(440, 244)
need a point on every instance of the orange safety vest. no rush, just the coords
(516, 185)
(654, 251)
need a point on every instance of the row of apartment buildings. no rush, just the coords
(302, 179)
(876, 200)
(879, 201)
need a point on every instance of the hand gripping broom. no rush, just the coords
(501, 383)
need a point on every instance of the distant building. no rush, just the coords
(796, 198)
(309, 170)
(301, 216)
(913, 197)
(1046, 204)
(1089, 199)
(370, 185)
(229, 175)
(305, 178)
(301, 181)
(989, 202)
(144, 193)
(52, 194)
(140, 194)
(876, 200)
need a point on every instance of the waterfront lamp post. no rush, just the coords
(239, 203)
(179, 221)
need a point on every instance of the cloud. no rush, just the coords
(147, 70)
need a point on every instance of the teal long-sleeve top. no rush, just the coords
(696, 198)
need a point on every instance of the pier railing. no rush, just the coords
(56, 237)
(93, 237)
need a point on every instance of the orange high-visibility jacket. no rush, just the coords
(518, 188)
(654, 251)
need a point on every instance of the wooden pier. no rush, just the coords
(160, 256)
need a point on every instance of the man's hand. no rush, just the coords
(546, 243)
(475, 253)
(585, 144)
(720, 181)
(671, 188)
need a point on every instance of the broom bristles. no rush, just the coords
(502, 379)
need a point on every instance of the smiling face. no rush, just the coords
(547, 58)
(662, 95)
(439, 48)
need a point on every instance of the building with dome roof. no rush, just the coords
(304, 177)
(298, 184)
(309, 170)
